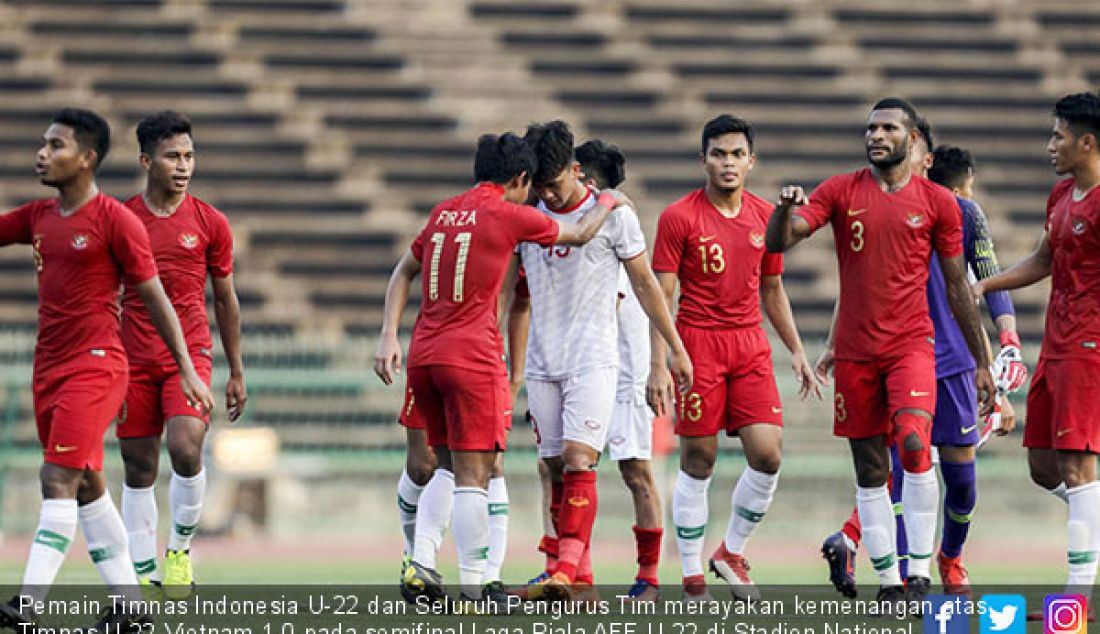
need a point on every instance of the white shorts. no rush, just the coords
(577, 409)
(631, 434)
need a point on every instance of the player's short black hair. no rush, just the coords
(92, 131)
(163, 125)
(727, 124)
(552, 142)
(897, 103)
(499, 159)
(1081, 112)
(924, 127)
(951, 166)
(602, 161)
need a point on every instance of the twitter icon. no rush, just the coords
(1003, 614)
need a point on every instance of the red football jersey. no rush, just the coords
(81, 261)
(1073, 316)
(189, 243)
(883, 244)
(465, 248)
(718, 260)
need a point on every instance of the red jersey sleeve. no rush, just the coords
(668, 246)
(130, 247)
(772, 264)
(219, 251)
(948, 237)
(531, 225)
(15, 226)
(417, 247)
(824, 201)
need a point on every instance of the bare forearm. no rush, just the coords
(830, 339)
(519, 323)
(966, 314)
(778, 308)
(780, 235)
(1028, 271)
(1006, 323)
(227, 312)
(397, 296)
(165, 320)
(656, 308)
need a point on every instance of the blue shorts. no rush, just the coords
(956, 422)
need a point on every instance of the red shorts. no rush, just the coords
(465, 410)
(410, 417)
(734, 383)
(155, 396)
(870, 393)
(73, 407)
(1061, 405)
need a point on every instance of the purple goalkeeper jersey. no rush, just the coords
(952, 355)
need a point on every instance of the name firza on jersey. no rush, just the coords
(447, 218)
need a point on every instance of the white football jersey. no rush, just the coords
(574, 327)
(633, 342)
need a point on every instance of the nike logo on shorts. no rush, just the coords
(1063, 432)
(776, 410)
(917, 394)
(64, 448)
(967, 430)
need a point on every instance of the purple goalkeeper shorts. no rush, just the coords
(956, 422)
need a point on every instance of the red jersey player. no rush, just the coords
(457, 378)
(1062, 435)
(190, 240)
(712, 242)
(886, 220)
(85, 244)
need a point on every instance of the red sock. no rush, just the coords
(584, 570)
(549, 546)
(649, 552)
(852, 527)
(578, 512)
(556, 491)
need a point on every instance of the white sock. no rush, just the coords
(106, 536)
(1083, 532)
(920, 499)
(56, 529)
(498, 529)
(471, 531)
(139, 515)
(185, 497)
(689, 516)
(433, 516)
(751, 498)
(1060, 492)
(408, 496)
(876, 515)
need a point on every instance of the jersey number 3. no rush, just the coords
(438, 242)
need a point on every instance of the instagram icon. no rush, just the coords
(1065, 614)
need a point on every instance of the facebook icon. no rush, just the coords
(946, 614)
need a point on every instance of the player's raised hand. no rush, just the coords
(987, 391)
(792, 196)
(806, 376)
(387, 358)
(235, 396)
(824, 365)
(196, 392)
(658, 390)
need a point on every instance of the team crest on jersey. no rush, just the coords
(757, 239)
(915, 219)
(80, 241)
(189, 240)
(1079, 226)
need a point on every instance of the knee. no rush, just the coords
(912, 437)
(1043, 475)
(186, 459)
(420, 470)
(140, 469)
(871, 474)
(767, 462)
(697, 464)
(636, 476)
